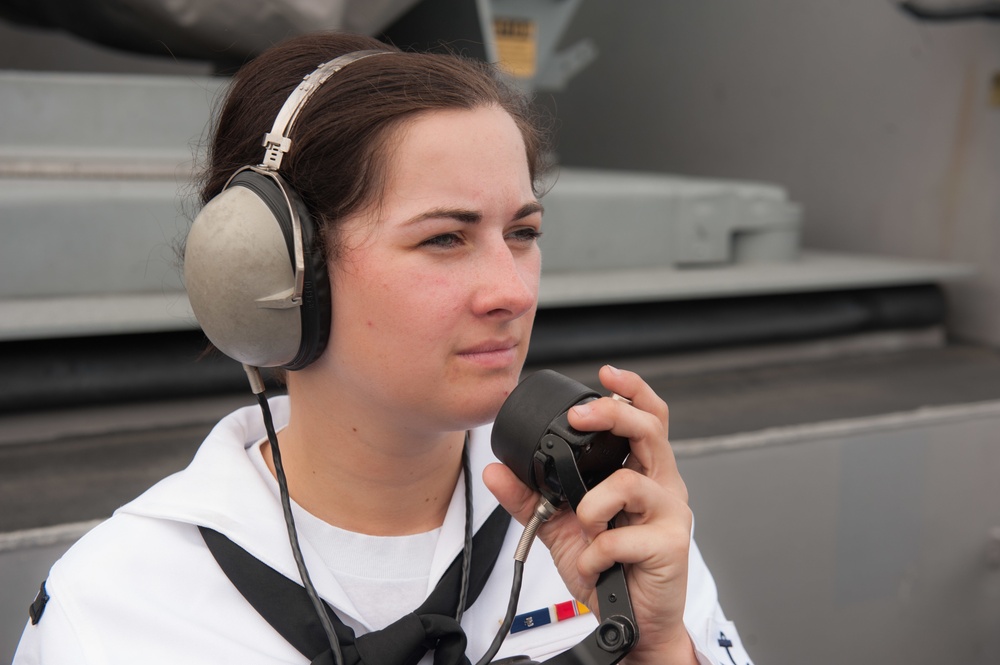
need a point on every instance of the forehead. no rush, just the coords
(458, 148)
(487, 122)
(470, 159)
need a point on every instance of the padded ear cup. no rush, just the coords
(240, 255)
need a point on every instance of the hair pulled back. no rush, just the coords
(341, 139)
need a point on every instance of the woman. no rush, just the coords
(420, 174)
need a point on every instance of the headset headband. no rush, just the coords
(276, 142)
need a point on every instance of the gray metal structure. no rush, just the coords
(99, 171)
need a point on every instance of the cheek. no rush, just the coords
(534, 272)
(417, 306)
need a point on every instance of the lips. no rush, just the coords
(489, 347)
(494, 353)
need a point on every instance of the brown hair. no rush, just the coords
(340, 139)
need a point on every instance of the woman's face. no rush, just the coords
(435, 289)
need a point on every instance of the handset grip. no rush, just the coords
(618, 633)
(533, 437)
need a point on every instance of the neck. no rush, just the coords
(365, 475)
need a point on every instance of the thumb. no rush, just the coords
(516, 497)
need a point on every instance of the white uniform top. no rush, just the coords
(143, 586)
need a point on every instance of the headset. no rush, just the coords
(255, 274)
(258, 284)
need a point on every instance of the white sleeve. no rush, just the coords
(52, 641)
(716, 641)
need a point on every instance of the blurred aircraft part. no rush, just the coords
(226, 32)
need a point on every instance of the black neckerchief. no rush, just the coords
(436, 624)
(285, 605)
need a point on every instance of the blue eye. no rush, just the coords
(444, 240)
(526, 234)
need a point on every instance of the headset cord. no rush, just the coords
(467, 545)
(543, 511)
(257, 385)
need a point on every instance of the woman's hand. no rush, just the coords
(653, 527)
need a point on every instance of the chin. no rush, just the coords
(486, 404)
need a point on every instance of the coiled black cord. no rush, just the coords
(543, 511)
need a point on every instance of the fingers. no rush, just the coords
(644, 422)
(653, 525)
(631, 497)
(631, 386)
(660, 546)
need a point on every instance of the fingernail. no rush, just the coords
(582, 409)
(614, 370)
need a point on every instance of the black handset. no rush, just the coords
(533, 420)
(533, 437)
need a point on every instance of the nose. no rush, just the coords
(507, 281)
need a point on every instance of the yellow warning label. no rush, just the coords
(516, 45)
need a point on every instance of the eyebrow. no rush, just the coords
(472, 216)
